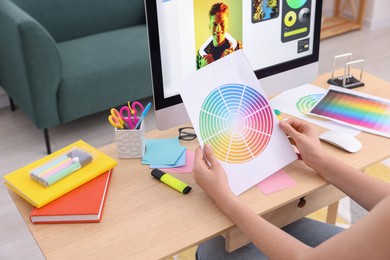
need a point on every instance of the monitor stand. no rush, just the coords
(171, 116)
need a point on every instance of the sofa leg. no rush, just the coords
(47, 140)
(12, 105)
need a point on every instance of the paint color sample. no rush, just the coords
(237, 121)
(363, 112)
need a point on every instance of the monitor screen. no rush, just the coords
(276, 36)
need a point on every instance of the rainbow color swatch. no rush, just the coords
(366, 113)
(237, 121)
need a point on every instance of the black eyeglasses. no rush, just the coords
(187, 133)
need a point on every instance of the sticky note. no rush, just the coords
(162, 151)
(189, 164)
(280, 180)
(180, 162)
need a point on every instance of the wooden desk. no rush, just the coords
(145, 219)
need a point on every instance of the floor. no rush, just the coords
(22, 143)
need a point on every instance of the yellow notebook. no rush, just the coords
(38, 195)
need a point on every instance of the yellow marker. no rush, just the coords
(171, 181)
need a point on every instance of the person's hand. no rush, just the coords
(305, 138)
(226, 52)
(205, 60)
(211, 178)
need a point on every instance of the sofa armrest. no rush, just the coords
(43, 67)
(30, 65)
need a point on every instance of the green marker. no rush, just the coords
(171, 181)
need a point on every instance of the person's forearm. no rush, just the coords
(271, 240)
(364, 189)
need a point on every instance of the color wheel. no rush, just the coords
(237, 121)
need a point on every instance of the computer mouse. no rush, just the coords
(341, 140)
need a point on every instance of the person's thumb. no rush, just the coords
(199, 154)
(210, 156)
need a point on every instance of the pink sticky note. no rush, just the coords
(188, 167)
(280, 180)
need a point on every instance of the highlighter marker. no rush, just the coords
(278, 114)
(171, 181)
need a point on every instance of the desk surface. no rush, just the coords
(145, 219)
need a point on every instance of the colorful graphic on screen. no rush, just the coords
(263, 10)
(295, 4)
(218, 30)
(363, 112)
(295, 19)
(306, 103)
(237, 121)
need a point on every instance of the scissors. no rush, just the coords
(125, 114)
(115, 119)
(136, 110)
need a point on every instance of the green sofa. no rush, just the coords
(61, 60)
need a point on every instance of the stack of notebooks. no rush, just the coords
(78, 197)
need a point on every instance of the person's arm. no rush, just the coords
(264, 235)
(364, 189)
(368, 239)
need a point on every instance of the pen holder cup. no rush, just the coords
(130, 142)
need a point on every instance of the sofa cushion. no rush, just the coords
(70, 19)
(102, 70)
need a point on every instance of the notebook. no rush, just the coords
(36, 194)
(84, 204)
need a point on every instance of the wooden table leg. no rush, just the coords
(331, 215)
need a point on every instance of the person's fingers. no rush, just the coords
(210, 156)
(292, 141)
(198, 154)
(199, 157)
(288, 129)
(200, 165)
(209, 58)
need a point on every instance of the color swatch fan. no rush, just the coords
(306, 103)
(230, 112)
(236, 120)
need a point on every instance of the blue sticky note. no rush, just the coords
(180, 162)
(162, 151)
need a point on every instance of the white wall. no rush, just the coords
(376, 14)
(327, 8)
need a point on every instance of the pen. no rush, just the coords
(171, 181)
(146, 110)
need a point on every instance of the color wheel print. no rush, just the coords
(237, 121)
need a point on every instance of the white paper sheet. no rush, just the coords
(229, 110)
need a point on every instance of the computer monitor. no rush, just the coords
(280, 39)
